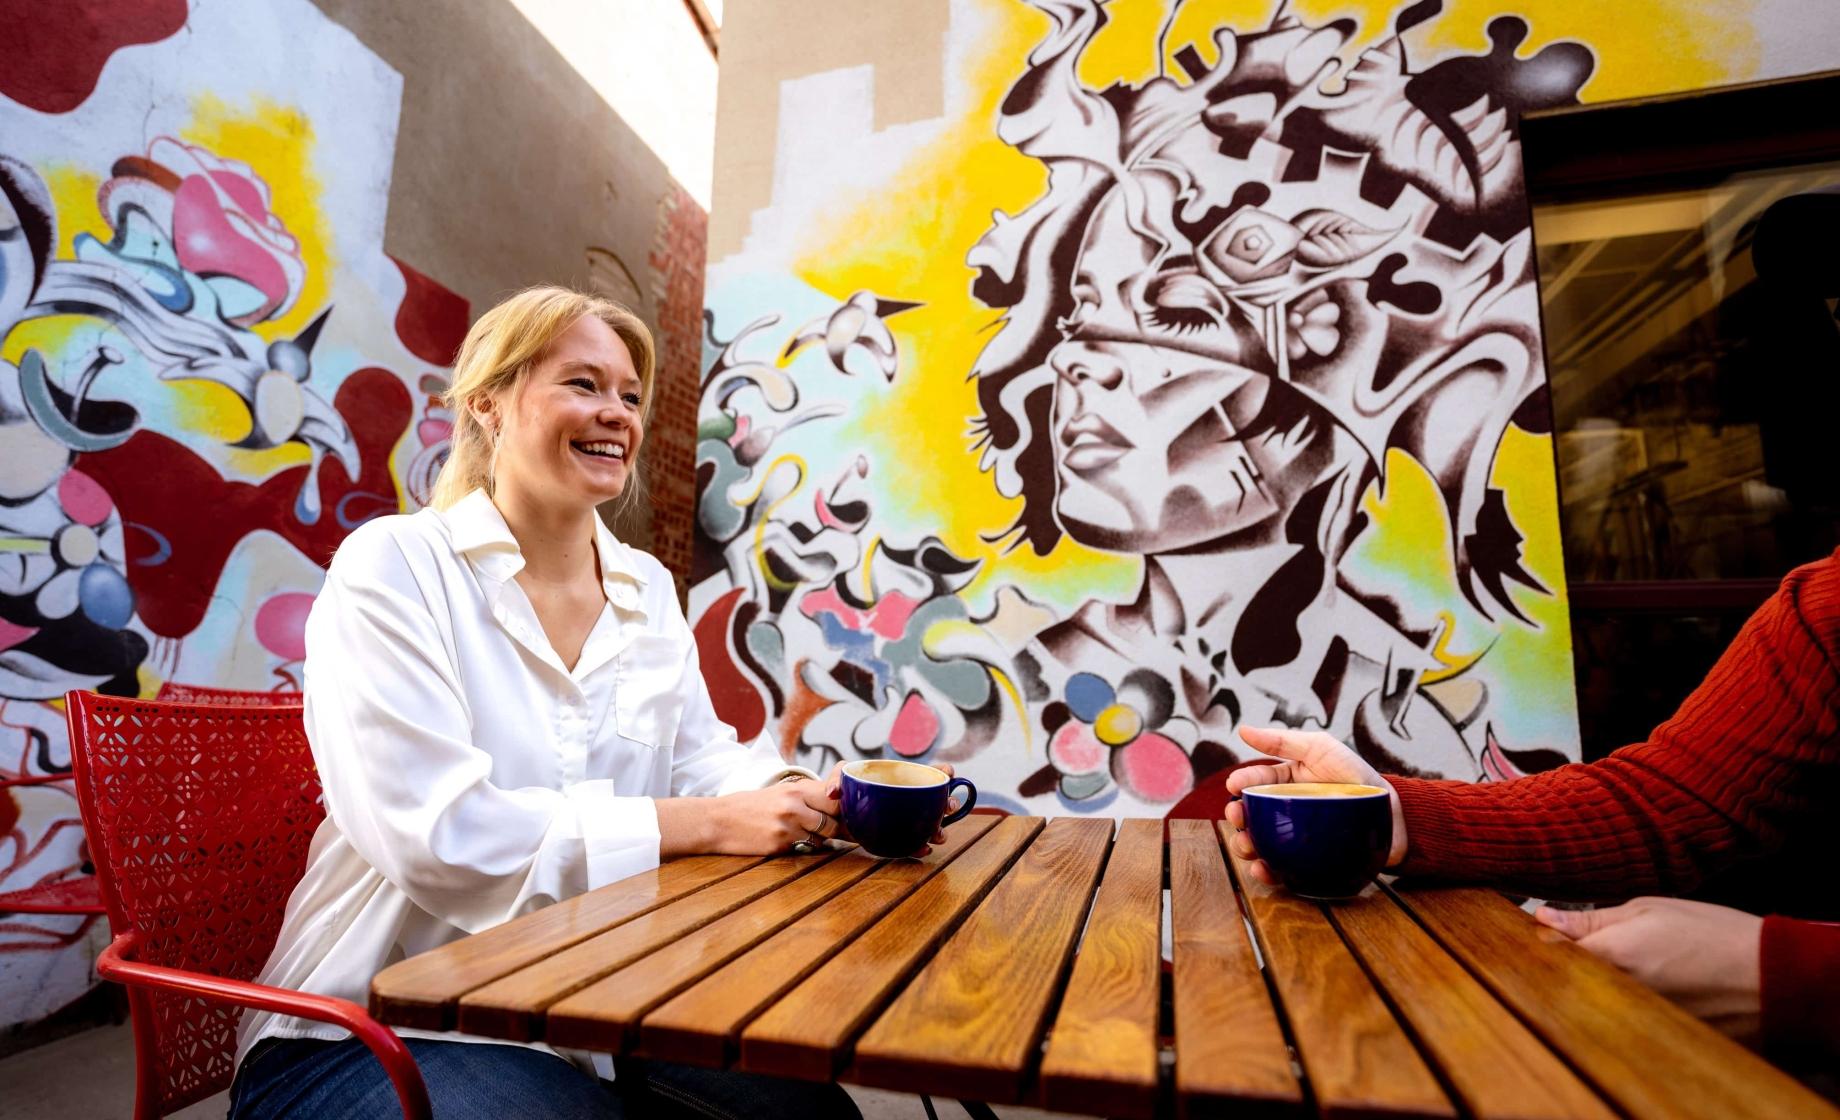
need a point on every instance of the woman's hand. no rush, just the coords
(1304, 756)
(1706, 958)
(755, 822)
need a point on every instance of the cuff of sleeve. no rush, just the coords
(1428, 808)
(620, 836)
(791, 772)
(1800, 994)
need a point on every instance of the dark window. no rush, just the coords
(1689, 258)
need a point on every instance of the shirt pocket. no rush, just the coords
(648, 689)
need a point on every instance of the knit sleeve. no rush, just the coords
(1801, 988)
(1726, 778)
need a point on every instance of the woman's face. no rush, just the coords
(1170, 428)
(570, 431)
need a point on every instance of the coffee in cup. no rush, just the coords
(1324, 840)
(893, 807)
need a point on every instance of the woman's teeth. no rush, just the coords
(603, 447)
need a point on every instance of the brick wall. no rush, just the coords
(679, 245)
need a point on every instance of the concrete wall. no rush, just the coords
(1088, 379)
(238, 245)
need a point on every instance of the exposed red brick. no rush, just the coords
(678, 258)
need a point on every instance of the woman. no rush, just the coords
(505, 708)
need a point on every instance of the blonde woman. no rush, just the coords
(506, 710)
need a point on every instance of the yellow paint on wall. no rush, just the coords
(906, 240)
(277, 142)
(73, 198)
(1643, 47)
(1407, 542)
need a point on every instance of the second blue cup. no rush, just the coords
(892, 807)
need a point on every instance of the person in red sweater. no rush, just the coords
(1743, 776)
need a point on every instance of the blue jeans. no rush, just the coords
(311, 1079)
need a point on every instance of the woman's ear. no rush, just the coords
(485, 411)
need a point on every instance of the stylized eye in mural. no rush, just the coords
(1247, 284)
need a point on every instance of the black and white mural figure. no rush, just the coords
(1245, 285)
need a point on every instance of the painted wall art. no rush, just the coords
(1184, 373)
(210, 373)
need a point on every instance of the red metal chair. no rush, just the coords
(199, 817)
(171, 693)
(80, 894)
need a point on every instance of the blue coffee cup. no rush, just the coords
(1325, 840)
(892, 807)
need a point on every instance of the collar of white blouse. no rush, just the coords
(479, 534)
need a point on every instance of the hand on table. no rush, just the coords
(1303, 756)
(1705, 958)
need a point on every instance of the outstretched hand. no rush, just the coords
(1706, 958)
(1300, 756)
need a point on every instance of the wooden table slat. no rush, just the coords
(604, 1015)
(1499, 1069)
(419, 992)
(512, 1007)
(1672, 1066)
(1356, 1056)
(702, 1026)
(808, 1033)
(1102, 1052)
(1231, 1055)
(973, 1018)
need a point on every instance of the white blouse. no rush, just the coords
(469, 777)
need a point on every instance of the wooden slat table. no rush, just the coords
(1129, 972)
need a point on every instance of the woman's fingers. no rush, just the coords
(1263, 774)
(1236, 815)
(1240, 845)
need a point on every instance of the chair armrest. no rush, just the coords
(117, 963)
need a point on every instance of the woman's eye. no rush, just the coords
(633, 399)
(1184, 301)
(583, 383)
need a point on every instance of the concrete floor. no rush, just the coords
(91, 1075)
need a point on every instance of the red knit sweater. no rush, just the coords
(1744, 773)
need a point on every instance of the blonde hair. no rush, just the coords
(498, 354)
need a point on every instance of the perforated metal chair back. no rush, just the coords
(198, 817)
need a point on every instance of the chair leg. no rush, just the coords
(978, 1110)
(926, 1102)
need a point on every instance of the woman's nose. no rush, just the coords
(1081, 364)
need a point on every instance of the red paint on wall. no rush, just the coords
(182, 519)
(432, 321)
(736, 701)
(54, 53)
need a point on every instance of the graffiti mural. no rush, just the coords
(209, 375)
(1233, 411)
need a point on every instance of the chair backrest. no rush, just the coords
(198, 818)
(171, 693)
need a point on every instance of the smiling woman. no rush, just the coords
(506, 710)
(584, 345)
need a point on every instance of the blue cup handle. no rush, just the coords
(970, 799)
